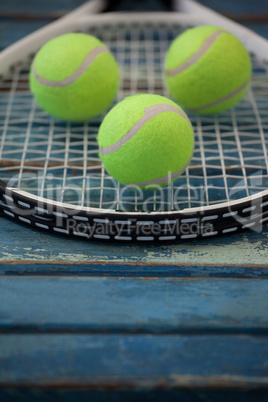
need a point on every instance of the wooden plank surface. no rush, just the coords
(140, 305)
(134, 361)
(132, 269)
(19, 243)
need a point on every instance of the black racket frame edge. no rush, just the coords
(118, 226)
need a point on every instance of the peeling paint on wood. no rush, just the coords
(21, 243)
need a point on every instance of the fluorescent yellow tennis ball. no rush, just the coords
(207, 69)
(146, 140)
(74, 77)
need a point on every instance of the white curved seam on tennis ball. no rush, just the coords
(208, 42)
(223, 99)
(91, 56)
(149, 113)
(164, 179)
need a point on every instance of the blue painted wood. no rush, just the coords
(132, 269)
(32, 7)
(134, 361)
(261, 29)
(12, 29)
(19, 243)
(237, 6)
(164, 305)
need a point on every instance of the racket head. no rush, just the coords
(52, 177)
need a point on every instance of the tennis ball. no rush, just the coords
(146, 141)
(207, 69)
(74, 77)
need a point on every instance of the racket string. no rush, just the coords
(240, 152)
(8, 111)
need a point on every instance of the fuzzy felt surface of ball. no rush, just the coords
(207, 69)
(74, 77)
(146, 141)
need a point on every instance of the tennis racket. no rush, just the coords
(51, 175)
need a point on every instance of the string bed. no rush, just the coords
(59, 161)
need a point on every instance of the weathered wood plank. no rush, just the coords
(20, 243)
(32, 7)
(133, 361)
(185, 394)
(131, 269)
(165, 305)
